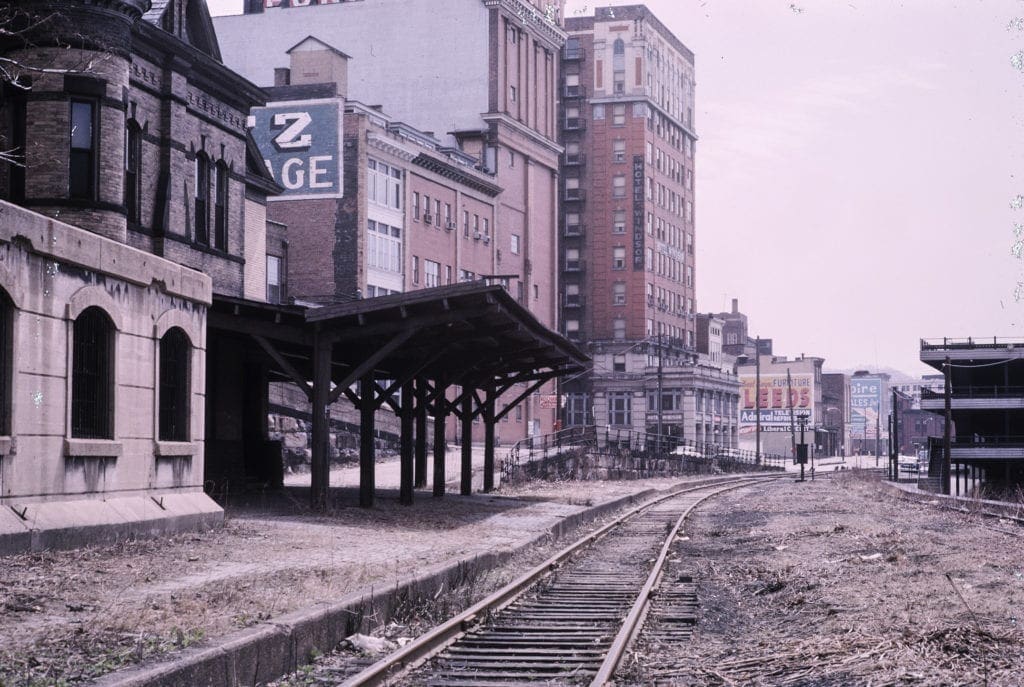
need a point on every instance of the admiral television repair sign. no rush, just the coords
(301, 142)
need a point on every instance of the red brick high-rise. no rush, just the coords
(627, 231)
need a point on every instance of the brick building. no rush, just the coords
(497, 137)
(141, 203)
(406, 213)
(627, 251)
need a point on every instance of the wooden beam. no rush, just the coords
(529, 390)
(286, 366)
(489, 422)
(440, 441)
(420, 465)
(466, 481)
(320, 461)
(243, 325)
(367, 456)
(370, 363)
(405, 468)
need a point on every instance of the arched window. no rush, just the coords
(132, 170)
(92, 376)
(220, 211)
(202, 232)
(175, 386)
(6, 360)
(618, 47)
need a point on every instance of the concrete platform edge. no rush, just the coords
(72, 524)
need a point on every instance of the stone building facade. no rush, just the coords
(134, 182)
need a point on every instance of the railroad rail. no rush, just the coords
(570, 619)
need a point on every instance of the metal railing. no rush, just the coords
(980, 391)
(649, 454)
(970, 342)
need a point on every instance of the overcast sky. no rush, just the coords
(857, 169)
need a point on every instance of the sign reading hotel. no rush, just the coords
(301, 146)
(638, 212)
(865, 406)
(777, 398)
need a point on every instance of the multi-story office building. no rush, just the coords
(628, 231)
(469, 88)
(987, 408)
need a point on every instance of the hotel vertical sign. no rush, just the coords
(638, 212)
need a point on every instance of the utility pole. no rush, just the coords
(947, 431)
(757, 400)
(878, 432)
(792, 425)
(661, 380)
(894, 438)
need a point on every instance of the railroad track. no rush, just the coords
(569, 620)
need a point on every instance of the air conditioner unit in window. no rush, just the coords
(477, 236)
(449, 225)
(487, 239)
(428, 218)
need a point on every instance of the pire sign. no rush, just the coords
(301, 146)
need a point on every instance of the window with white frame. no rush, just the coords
(619, 258)
(619, 409)
(383, 184)
(619, 328)
(514, 247)
(619, 186)
(618, 151)
(383, 247)
(431, 273)
(576, 409)
(572, 294)
(572, 259)
(619, 293)
(619, 222)
(618, 115)
(274, 279)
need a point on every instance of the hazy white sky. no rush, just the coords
(857, 169)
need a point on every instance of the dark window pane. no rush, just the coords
(82, 163)
(202, 200)
(174, 386)
(132, 154)
(220, 214)
(81, 125)
(92, 376)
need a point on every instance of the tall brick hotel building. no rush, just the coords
(628, 231)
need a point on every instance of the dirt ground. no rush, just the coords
(835, 582)
(68, 616)
(843, 582)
